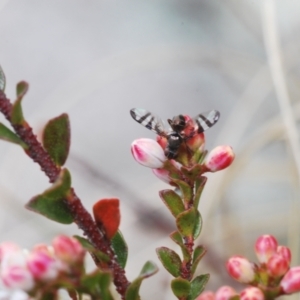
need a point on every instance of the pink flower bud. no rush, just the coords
(277, 265)
(219, 158)
(14, 272)
(162, 174)
(42, 265)
(284, 252)
(8, 247)
(68, 249)
(148, 153)
(207, 295)
(196, 142)
(290, 283)
(265, 247)
(252, 293)
(225, 292)
(240, 269)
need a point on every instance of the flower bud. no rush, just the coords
(290, 283)
(265, 247)
(207, 295)
(240, 269)
(68, 249)
(252, 293)
(219, 158)
(42, 265)
(148, 153)
(14, 272)
(162, 174)
(284, 252)
(225, 293)
(196, 142)
(8, 247)
(277, 265)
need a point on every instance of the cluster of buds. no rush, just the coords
(24, 272)
(154, 154)
(270, 278)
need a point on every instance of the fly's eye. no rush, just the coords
(177, 123)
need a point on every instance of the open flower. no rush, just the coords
(148, 153)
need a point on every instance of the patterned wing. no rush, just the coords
(206, 120)
(148, 120)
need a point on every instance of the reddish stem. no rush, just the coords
(81, 217)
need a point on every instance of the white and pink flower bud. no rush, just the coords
(241, 269)
(225, 293)
(284, 252)
(290, 283)
(265, 247)
(15, 273)
(162, 174)
(148, 153)
(207, 295)
(219, 158)
(277, 265)
(252, 293)
(197, 142)
(42, 265)
(68, 249)
(7, 248)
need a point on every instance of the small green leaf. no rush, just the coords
(172, 201)
(102, 257)
(2, 80)
(186, 190)
(52, 203)
(97, 284)
(180, 287)
(192, 173)
(200, 184)
(132, 292)
(202, 157)
(170, 260)
(120, 247)
(8, 135)
(56, 138)
(189, 223)
(198, 285)
(198, 225)
(174, 173)
(176, 237)
(16, 116)
(199, 252)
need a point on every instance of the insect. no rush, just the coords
(182, 128)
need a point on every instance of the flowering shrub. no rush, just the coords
(178, 157)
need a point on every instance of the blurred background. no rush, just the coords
(96, 60)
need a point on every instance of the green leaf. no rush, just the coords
(176, 237)
(132, 292)
(186, 190)
(180, 287)
(172, 201)
(170, 260)
(2, 80)
(16, 116)
(199, 252)
(200, 184)
(198, 285)
(8, 135)
(192, 173)
(189, 223)
(102, 257)
(56, 138)
(174, 173)
(97, 284)
(52, 203)
(120, 247)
